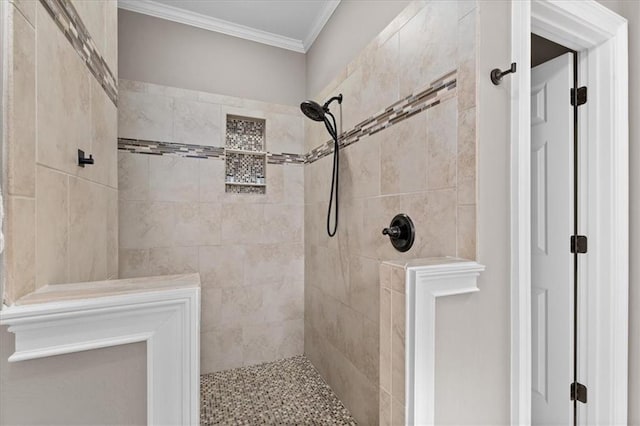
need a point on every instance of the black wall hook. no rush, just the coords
(496, 74)
(82, 160)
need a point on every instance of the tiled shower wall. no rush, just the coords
(61, 220)
(419, 161)
(175, 217)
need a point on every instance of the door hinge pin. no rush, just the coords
(578, 392)
(580, 97)
(578, 244)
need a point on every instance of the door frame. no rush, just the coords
(589, 27)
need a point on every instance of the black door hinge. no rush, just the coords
(579, 392)
(578, 244)
(580, 97)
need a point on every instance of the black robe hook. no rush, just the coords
(496, 74)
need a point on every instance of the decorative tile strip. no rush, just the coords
(437, 92)
(285, 158)
(140, 146)
(69, 22)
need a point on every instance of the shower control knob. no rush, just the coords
(401, 232)
(392, 231)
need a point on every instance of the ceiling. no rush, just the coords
(287, 24)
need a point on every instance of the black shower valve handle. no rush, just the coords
(392, 231)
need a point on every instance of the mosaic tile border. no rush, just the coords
(440, 90)
(69, 22)
(437, 92)
(139, 146)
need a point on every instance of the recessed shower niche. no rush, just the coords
(245, 155)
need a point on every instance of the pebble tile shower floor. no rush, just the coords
(284, 392)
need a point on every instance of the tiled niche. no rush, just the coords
(245, 155)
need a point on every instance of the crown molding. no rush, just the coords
(198, 20)
(322, 19)
(170, 13)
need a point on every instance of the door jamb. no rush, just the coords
(581, 26)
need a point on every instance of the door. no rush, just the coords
(551, 228)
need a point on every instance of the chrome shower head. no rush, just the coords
(313, 110)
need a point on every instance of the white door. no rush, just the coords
(551, 228)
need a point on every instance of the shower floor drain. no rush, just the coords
(284, 392)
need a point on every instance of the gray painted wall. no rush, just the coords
(98, 387)
(171, 54)
(352, 26)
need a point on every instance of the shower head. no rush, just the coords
(314, 111)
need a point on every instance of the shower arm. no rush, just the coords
(338, 98)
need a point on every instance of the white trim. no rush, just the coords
(601, 36)
(424, 284)
(322, 19)
(167, 320)
(520, 224)
(198, 20)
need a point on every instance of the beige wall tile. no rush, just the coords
(242, 306)
(385, 408)
(428, 46)
(197, 224)
(211, 180)
(465, 6)
(63, 107)
(397, 346)
(397, 412)
(210, 308)
(266, 342)
(104, 139)
(442, 142)
(467, 232)
(467, 59)
(242, 223)
(467, 156)
(359, 169)
(398, 279)
(385, 339)
(285, 133)
(439, 229)
(28, 9)
(293, 176)
(222, 266)
(111, 36)
(284, 301)
(364, 287)
(173, 178)
(144, 224)
(220, 350)
(403, 156)
(20, 250)
(197, 123)
(380, 83)
(87, 231)
(275, 184)
(145, 116)
(112, 232)
(273, 263)
(92, 14)
(133, 263)
(21, 106)
(283, 223)
(173, 260)
(133, 176)
(51, 227)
